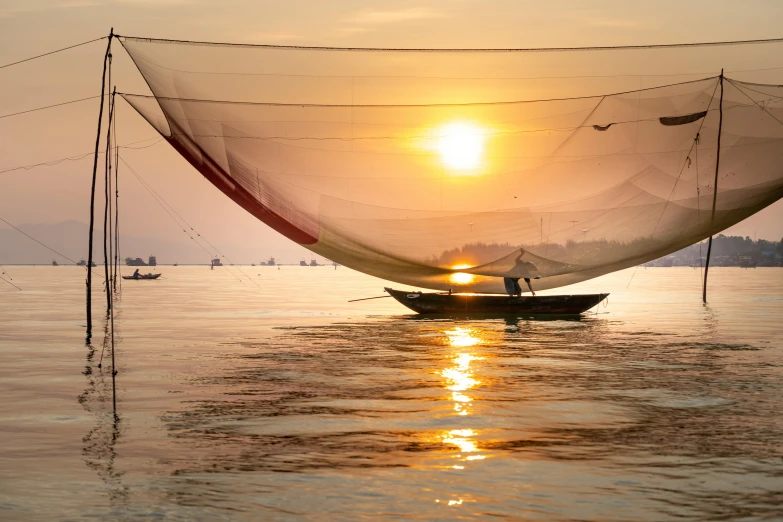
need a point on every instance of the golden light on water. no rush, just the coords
(460, 145)
(459, 377)
(462, 338)
(462, 439)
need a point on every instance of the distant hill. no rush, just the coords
(70, 239)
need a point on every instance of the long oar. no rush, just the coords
(368, 298)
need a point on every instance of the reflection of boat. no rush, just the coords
(432, 303)
(142, 276)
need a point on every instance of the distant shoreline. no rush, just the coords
(329, 265)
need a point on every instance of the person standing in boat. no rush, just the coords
(523, 269)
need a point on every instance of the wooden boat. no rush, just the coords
(441, 303)
(143, 276)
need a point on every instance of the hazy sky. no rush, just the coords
(61, 192)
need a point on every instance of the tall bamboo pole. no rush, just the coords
(92, 191)
(714, 190)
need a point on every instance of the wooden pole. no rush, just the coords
(116, 194)
(714, 190)
(107, 206)
(92, 191)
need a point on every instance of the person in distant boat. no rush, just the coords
(136, 274)
(523, 269)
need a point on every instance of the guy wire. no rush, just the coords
(164, 204)
(43, 245)
(52, 52)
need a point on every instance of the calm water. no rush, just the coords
(286, 402)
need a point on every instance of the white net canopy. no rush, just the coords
(452, 169)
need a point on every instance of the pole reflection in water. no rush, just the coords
(99, 443)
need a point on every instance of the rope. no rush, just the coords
(164, 204)
(572, 129)
(43, 245)
(633, 274)
(382, 105)
(52, 163)
(684, 163)
(49, 106)
(52, 52)
(431, 136)
(161, 202)
(757, 103)
(10, 283)
(467, 78)
(454, 50)
(687, 162)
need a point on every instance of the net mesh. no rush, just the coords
(447, 169)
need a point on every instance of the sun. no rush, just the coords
(460, 278)
(460, 145)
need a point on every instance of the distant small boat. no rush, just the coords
(54, 263)
(442, 303)
(129, 261)
(142, 276)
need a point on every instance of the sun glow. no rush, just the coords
(460, 278)
(460, 145)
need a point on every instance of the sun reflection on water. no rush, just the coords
(459, 378)
(462, 338)
(461, 439)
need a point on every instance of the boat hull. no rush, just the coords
(146, 276)
(433, 303)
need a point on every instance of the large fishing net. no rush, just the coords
(452, 169)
